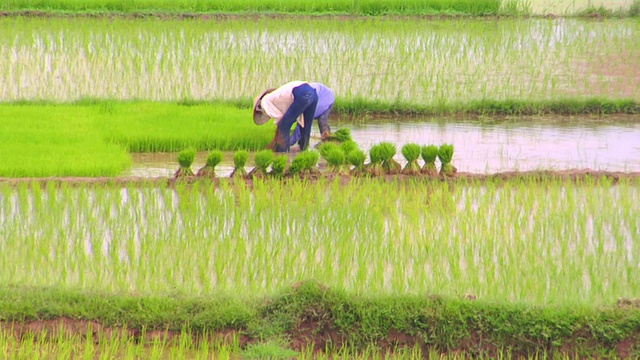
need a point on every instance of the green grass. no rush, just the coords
(573, 243)
(514, 65)
(94, 138)
(356, 7)
(165, 127)
(365, 7)
(439, 324)
(56, 141)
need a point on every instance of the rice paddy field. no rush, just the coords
(95, 263)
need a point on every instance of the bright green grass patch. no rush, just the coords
(573, 243)
(93, 138)
(168, 127)
(55, 141)
(366, 7)
(441, 324)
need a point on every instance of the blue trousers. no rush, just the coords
(305, 100)
(323, 126)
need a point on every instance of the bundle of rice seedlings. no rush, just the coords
(374, 167)
(429, 154)
(336, 160)
(341, 135)
(325, 148)
(445, 154)
(356, 158)
(239, 161)
(209, 169)
(304, 163)
(389, 164)
(263, 159)
(348, 146)
(278, 166)
(411, 153)
(185, 159)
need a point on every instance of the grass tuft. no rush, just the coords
(429, 154)
(389, 164)
(209, 169)
(445, 154)
(279, 166)
(411, 153)
(357, 158)
(240, 159)
(263, 160)
(185, 160)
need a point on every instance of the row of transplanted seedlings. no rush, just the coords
(341, 154)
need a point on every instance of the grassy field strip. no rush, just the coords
(42, 141)
(369, 7)
(387, 61)
(520, 242)
(95, 139)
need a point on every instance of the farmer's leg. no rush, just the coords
(297, 134)
(308, 114)
(304, 97)
(323, 122)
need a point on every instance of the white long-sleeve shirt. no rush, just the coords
(277, 102)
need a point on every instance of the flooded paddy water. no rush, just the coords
(484, 146)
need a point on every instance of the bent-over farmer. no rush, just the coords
(294, 100)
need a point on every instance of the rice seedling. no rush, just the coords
(185, 160)
(445, 155)
(263, 160)
(429, 154)
(279, 166)
(573, 243)
(357, 158)
(170, 60)
(374, 168)
(360, 7)
(340, 135)
(240, 158)
(348, 146)
(305, 162)
(389, 164)
(335, 159)
(214, 158)
(411, 153)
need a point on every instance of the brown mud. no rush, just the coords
(576, 175)
(308, 334)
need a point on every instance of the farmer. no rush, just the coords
(294, 100)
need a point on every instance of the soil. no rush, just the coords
(462, 177)
(310, 333)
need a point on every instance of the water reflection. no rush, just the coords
(481, 145)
